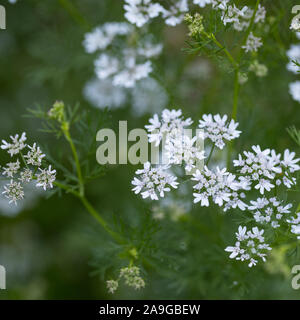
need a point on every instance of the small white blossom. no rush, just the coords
(182, 149)
(106, 65)
(132, 72)
(11, 169)
(170, 125)
(112, 286)
(139, 12)
(269, 211)
(294, 89)
(153, 181)
(294, 55)
(253, 43)
(101, 37)
(102, 94)
(34, 156)
(295, 225)
(132, 277)
(45, 178)
(218, 129)
(13, 191)
(17, 144)
(217, 185)
(202, 3)
(26, 175)
(259, 167)
(250, 246)
(175, 14)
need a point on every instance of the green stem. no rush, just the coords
(77, 163)
(228, 54)
(210, 154)
(98, 217)
(236, 91)
(74, 13)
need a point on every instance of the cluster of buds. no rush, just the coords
(131, 276)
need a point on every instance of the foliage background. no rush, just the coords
(53, 249)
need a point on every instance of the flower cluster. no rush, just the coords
(170, 125)
(218, 129)
(252, 43)
(266, 170)
(295, 225)
(257, 172)
(131, 276)
(269, 211)
(153, 181)
(25, 169)
(140, 12)
(293, 55)
(250, 246)
(217, 185)
(122, 67)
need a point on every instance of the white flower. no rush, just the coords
(139, 12)
(102, 94)
(16, 145)
(45, 178)
(106, 65)
(101, 37)
(269, 211)
(26, 175)
(202, 3)
(236, 198)
(11, 169)
(294, 89)
(13, 191)
(295, 24)
(295, 225)
(149, 50)
(250, 246)
(259, 168)
(175, 14)
(34, 156)
(153, 181)
(294, 55)
(112, 285)
(170, 125)
(218, 129)
(217, 185)
(132, 73)
(182, 149)
(289, 161)
(253, 43)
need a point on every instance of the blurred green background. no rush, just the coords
(51, 248)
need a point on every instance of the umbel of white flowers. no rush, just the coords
(26, 167)
(258, 172)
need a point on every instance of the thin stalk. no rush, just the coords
(227, 53)
(75, 13)
(210, 154)
(98, 217)
(77, 163)
(236, 91)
